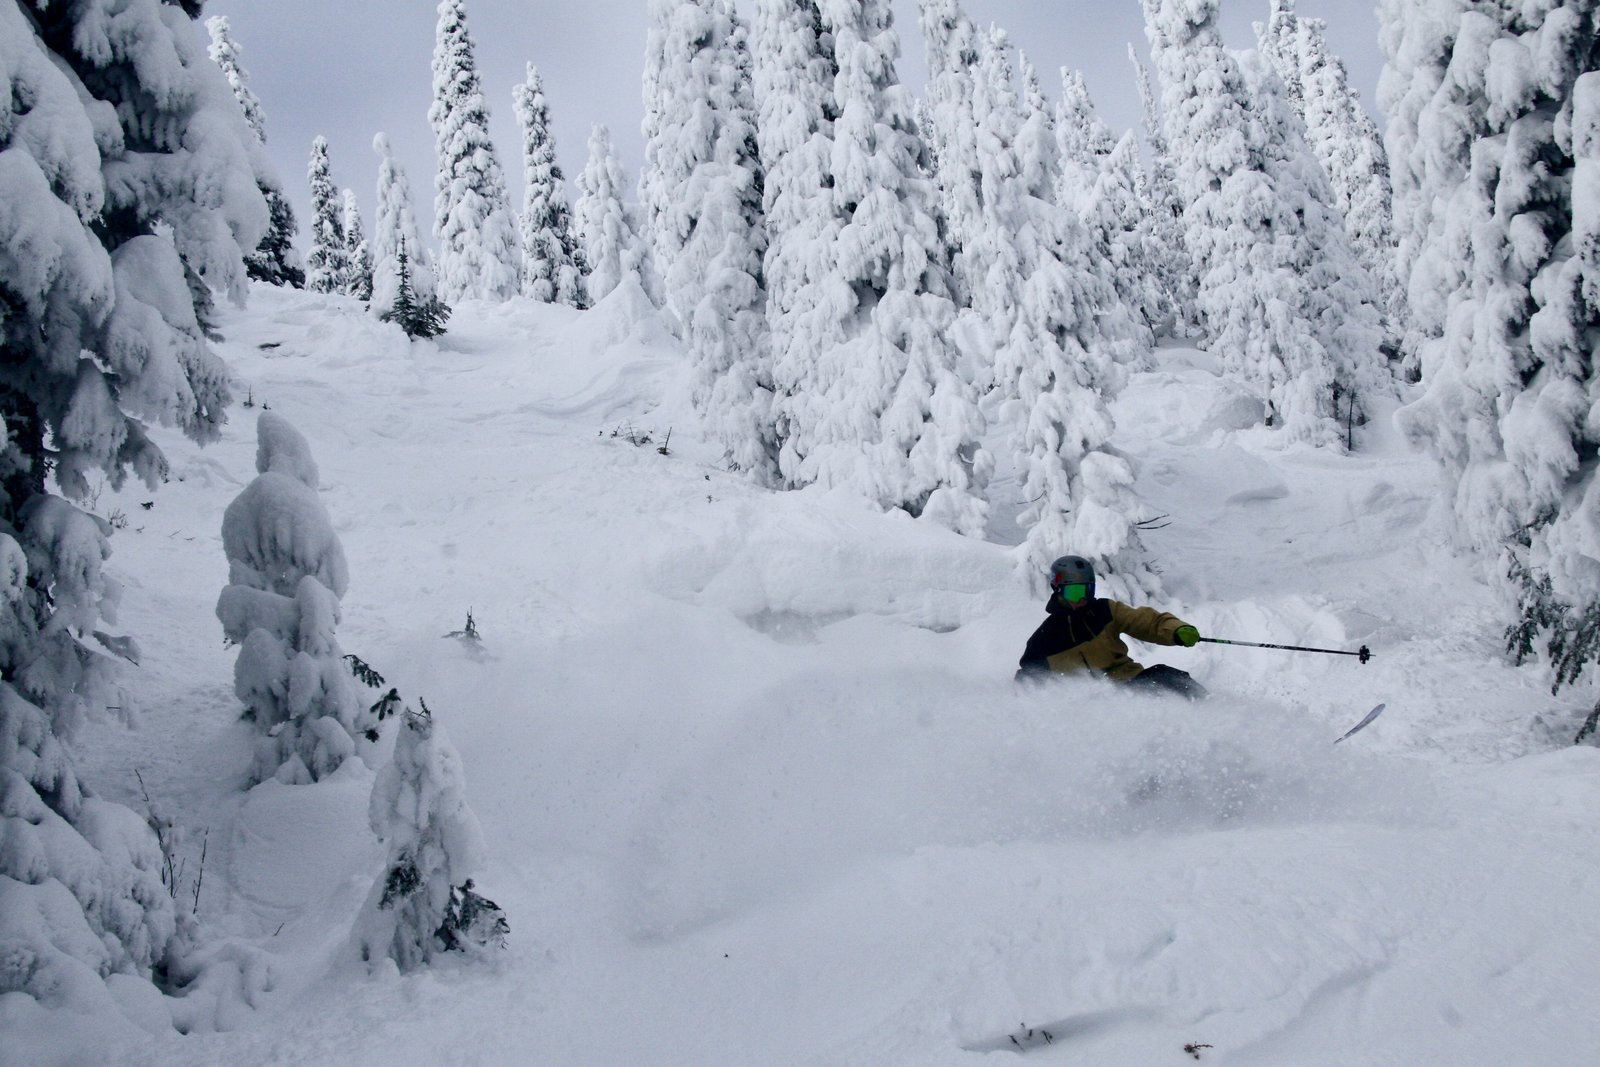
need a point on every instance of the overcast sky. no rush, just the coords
(348, 69)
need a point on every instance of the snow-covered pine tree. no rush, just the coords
(274, 260)
(1287, 306)
(952, 42)
(1173, 266)
(401, 273)
(328, 264)
(1119, 237)
(424, 903)
(1342, 136)
(1083, 139)
(1508, 398)
(477, 230)
(1061, 337)
(794, 75)
(885, 408)
(552, 260)
(357, 256)
(122, 159)
(613, 247)
(286, 576)
(702, 193)
(1431, 93)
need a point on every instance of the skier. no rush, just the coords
(1083, 633)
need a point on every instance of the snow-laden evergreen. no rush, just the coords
(395, 228)
(328, 262)
(793, 81)
(479, 256)
(357, 255)
(552, 261)
(1083, 139)
(275, 260)
(424, 903)
(886, 411)
(1287, 306)
(1123, 250)
(286, 576)
(1060, 338)
(124, 166)
(1432, 98)
(1510, 383)
(1342, 136)
(613, 248)
(702, 194)
(1171, 263)
(952, 42)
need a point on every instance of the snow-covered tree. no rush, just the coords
(613, 248)
(1120, 238)
(395, 236)
(702, 193)
(793, 81)
(1340, 133)
(952, 42)
(357, 256)
(286, 576)
(1286, 304)
(424, 903)
(123, 162)
(1173, 268)
(1510, 382)
(1061, 337)
(478, 253)
(275, 260)
(328, 264)
(1084, 139)
(887, 410)
(552, 261)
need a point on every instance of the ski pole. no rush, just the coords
(1364, 654)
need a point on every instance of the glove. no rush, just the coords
(1188, 636)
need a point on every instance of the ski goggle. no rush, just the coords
(1073, 592)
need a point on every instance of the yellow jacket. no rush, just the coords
(1089, 638)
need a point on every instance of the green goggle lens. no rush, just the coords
(1074, 593)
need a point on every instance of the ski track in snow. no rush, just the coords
(756, 783)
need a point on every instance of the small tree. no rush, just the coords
(418, 315)
(286, 573)
(394, 229)
(423, 903)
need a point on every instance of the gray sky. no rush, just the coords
(350, 69)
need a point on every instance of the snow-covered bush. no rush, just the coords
(124, 167)
(423, 903)
(286, 575)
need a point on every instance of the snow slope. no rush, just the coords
(758, 787)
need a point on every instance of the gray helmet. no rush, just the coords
(1072, 570)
